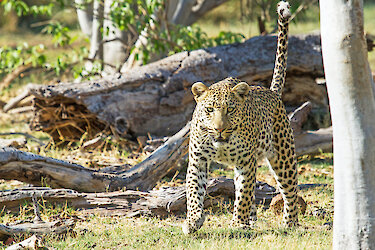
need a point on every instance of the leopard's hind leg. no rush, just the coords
(244, 214)
(284, 166)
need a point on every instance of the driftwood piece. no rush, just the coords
(309, 142)
(29, 243)
(57, 227)
(146, 174)
(168, 200)
(38, 226)
(34, 169)
(156, 98)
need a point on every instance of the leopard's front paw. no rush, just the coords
(190, 227)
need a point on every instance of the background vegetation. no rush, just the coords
(115, 233)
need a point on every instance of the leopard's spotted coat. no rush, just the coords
(237, 124)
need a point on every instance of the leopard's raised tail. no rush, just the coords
(279, 72)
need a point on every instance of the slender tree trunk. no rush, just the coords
(352, 103)
(85, 16)
(115, 51)
(96, 48)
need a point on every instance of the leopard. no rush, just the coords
(239, 125)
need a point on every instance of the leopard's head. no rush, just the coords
(220, 107)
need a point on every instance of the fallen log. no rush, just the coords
(314, 142)
(57, 227)
(156, 98)
(161, 202)
(35, 169)
(309, 142)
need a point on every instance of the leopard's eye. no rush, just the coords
(209, 109)
(230, 109)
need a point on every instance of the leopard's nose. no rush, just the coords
(220, 130)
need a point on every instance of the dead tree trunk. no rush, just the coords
(169, 200)
(156, 98)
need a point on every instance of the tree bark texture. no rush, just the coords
(352, 102)
(156, 98)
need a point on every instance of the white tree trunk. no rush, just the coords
(85, 16)
(114, 52)
(96, 50)
(352, 103)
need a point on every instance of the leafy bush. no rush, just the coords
(136, 16)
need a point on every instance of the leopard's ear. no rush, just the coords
(241, 90)
(198, 89)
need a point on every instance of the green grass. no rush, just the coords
(151, 233)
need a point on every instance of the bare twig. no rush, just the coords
(108, 41)
(13, 75)
(21, 110)
(301, 7)
(101, 61)
(13, 102)
(23, 134)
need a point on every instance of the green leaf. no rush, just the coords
(41, 59)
